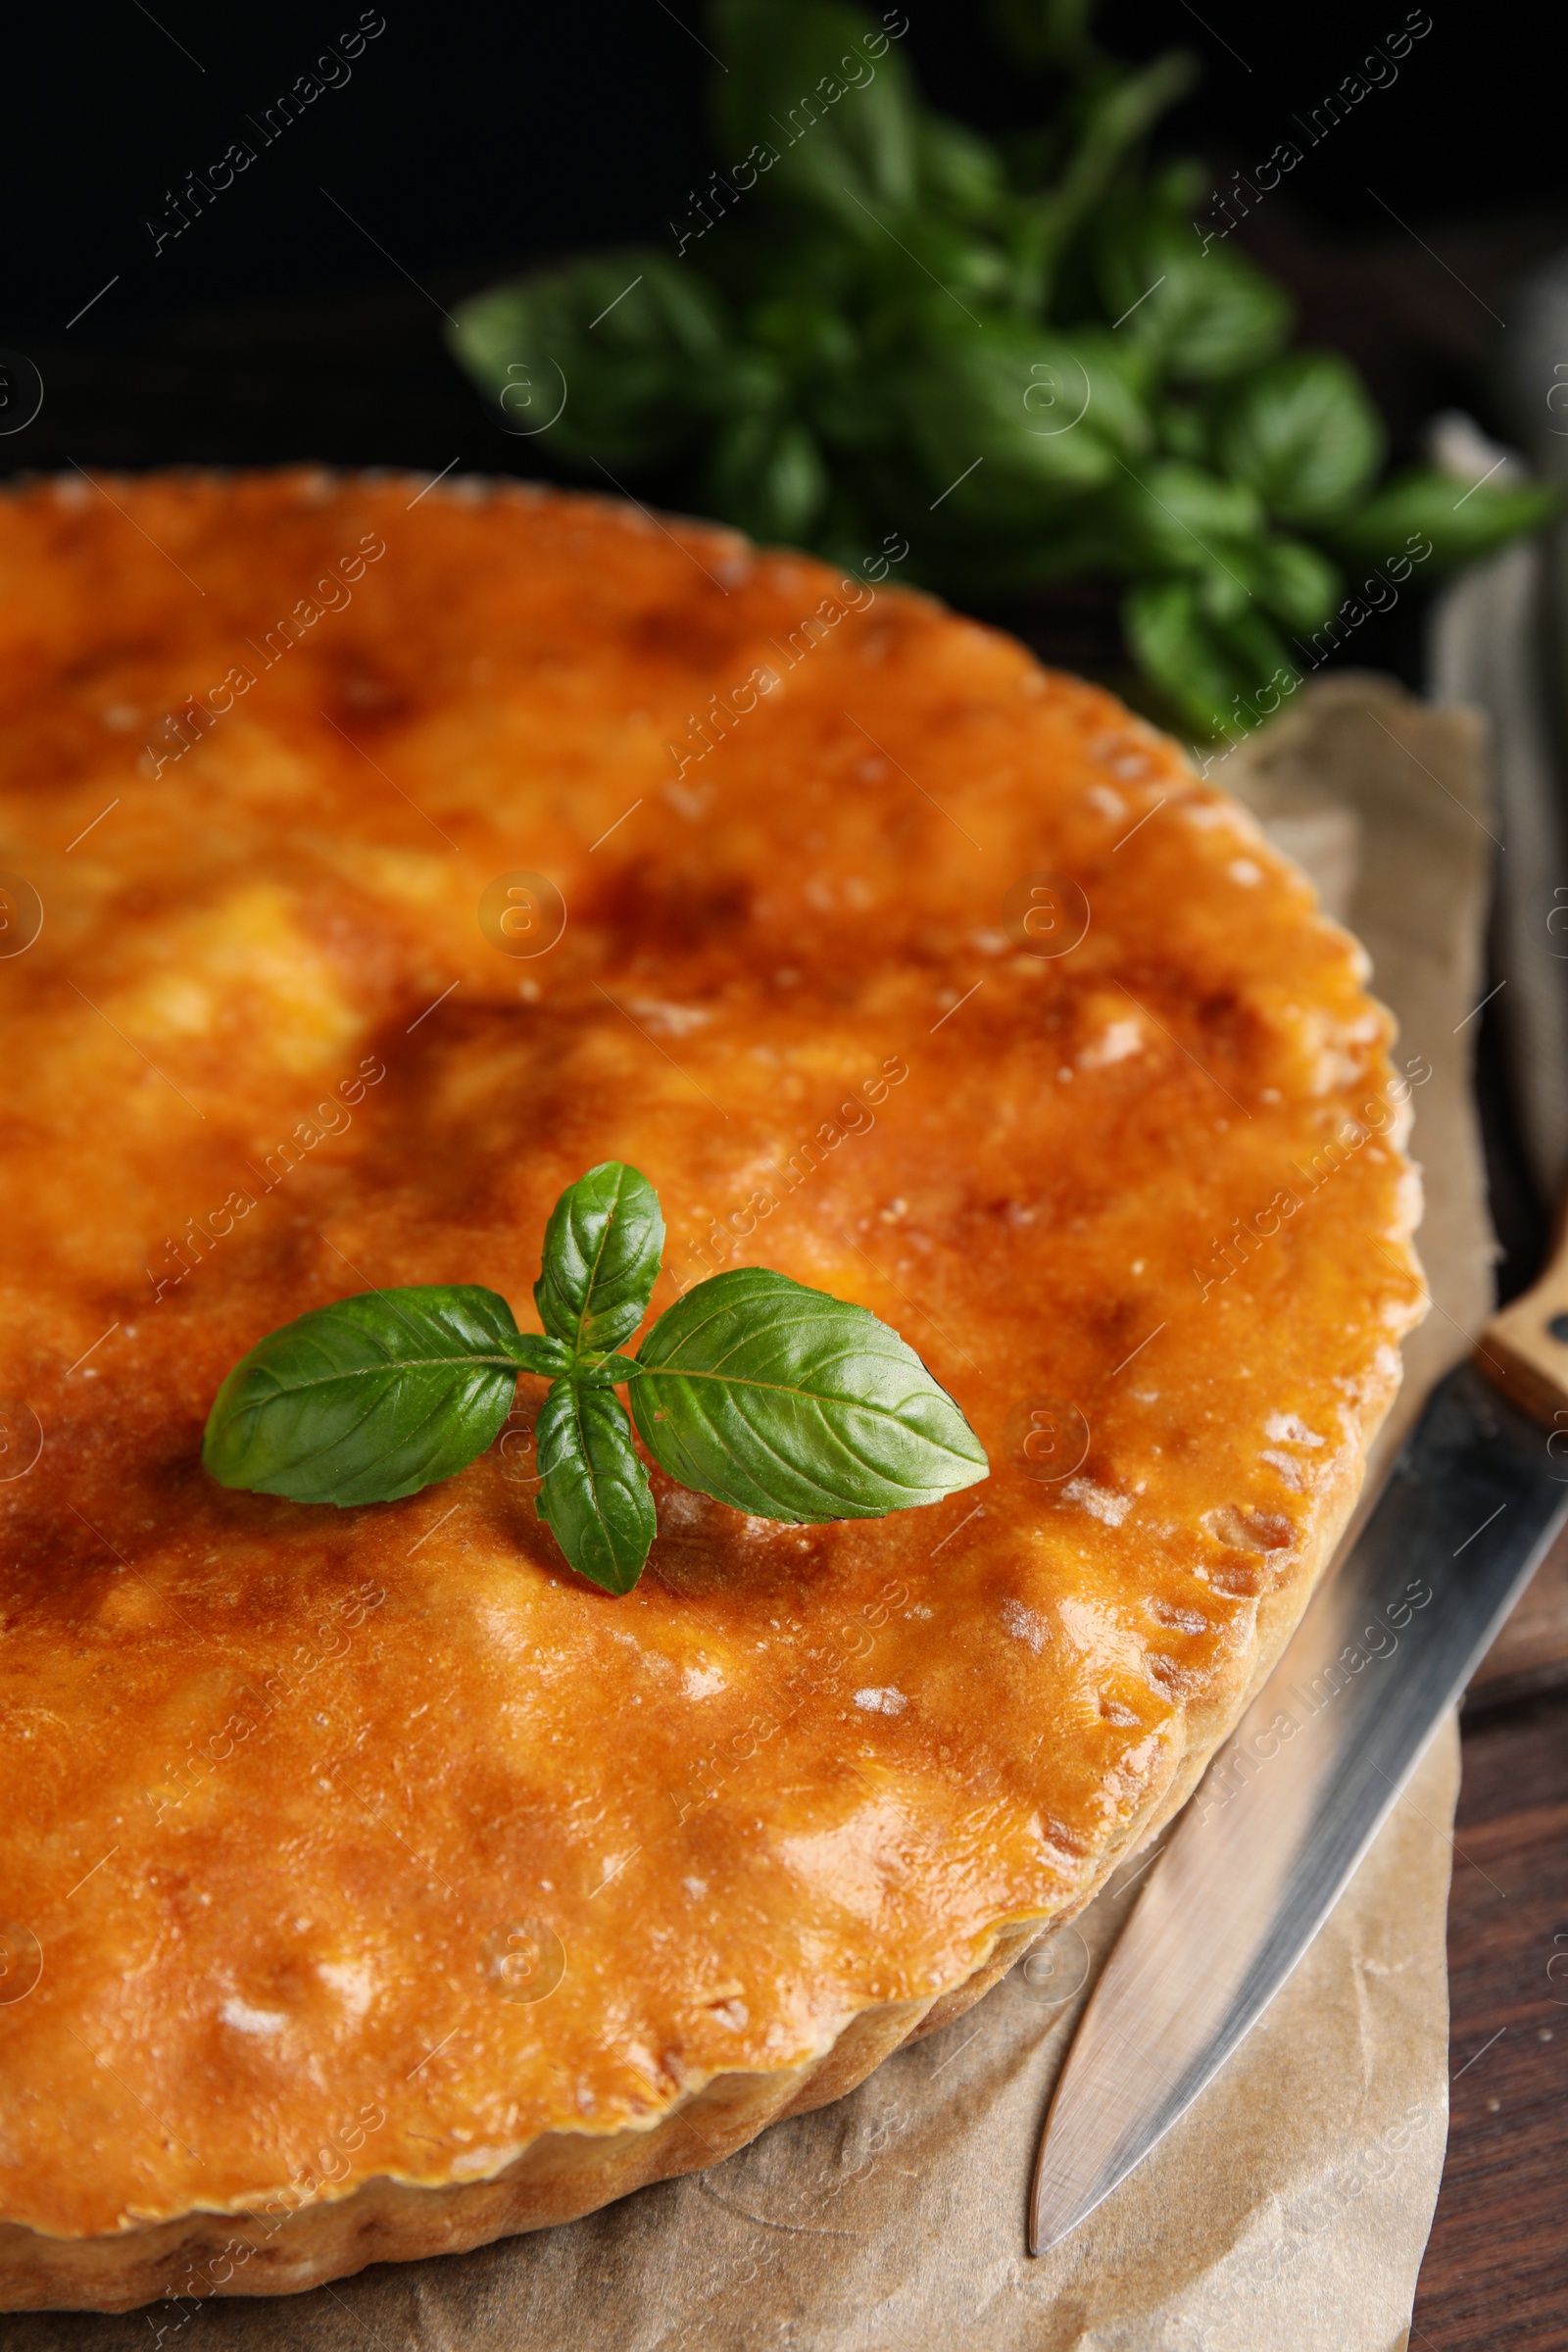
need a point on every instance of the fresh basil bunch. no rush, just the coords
(778, 1399)
(1022, 356)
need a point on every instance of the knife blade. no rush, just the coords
(1293, 1799)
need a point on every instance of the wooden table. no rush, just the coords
(1495, 2274)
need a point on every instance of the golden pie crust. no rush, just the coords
(300, 1808)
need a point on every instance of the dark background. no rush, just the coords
(467, 143)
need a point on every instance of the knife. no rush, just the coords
(1293, 1799)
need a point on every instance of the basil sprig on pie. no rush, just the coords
(780, 1400)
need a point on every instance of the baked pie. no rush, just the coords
(379, 856)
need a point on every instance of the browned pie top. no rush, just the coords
(296, 1803)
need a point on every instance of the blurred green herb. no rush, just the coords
(1021, 354)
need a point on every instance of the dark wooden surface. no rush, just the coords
(1495, 2274)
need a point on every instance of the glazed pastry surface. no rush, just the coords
(377, 1842)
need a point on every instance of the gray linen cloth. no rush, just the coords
(1499, 642)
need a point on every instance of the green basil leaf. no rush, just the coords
(1183, 430)
(1304, 432)
(801, 100)
(1223, 592)
(605, 359)
(370, 1399)
(1294, 582)
(767, 478)
(1169, 632)
(601, 1258)
(1204, 316)
(791, 1404)
(957, 168)
(1423, 517)
(1048, 414)
(1182, 517)
(915, 277)
(1211, 667)
(1109, 114)
(595, 1496)
(808, 334)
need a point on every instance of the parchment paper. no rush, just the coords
(1290, 2206)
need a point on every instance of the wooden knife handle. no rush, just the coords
(1524, 1349)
